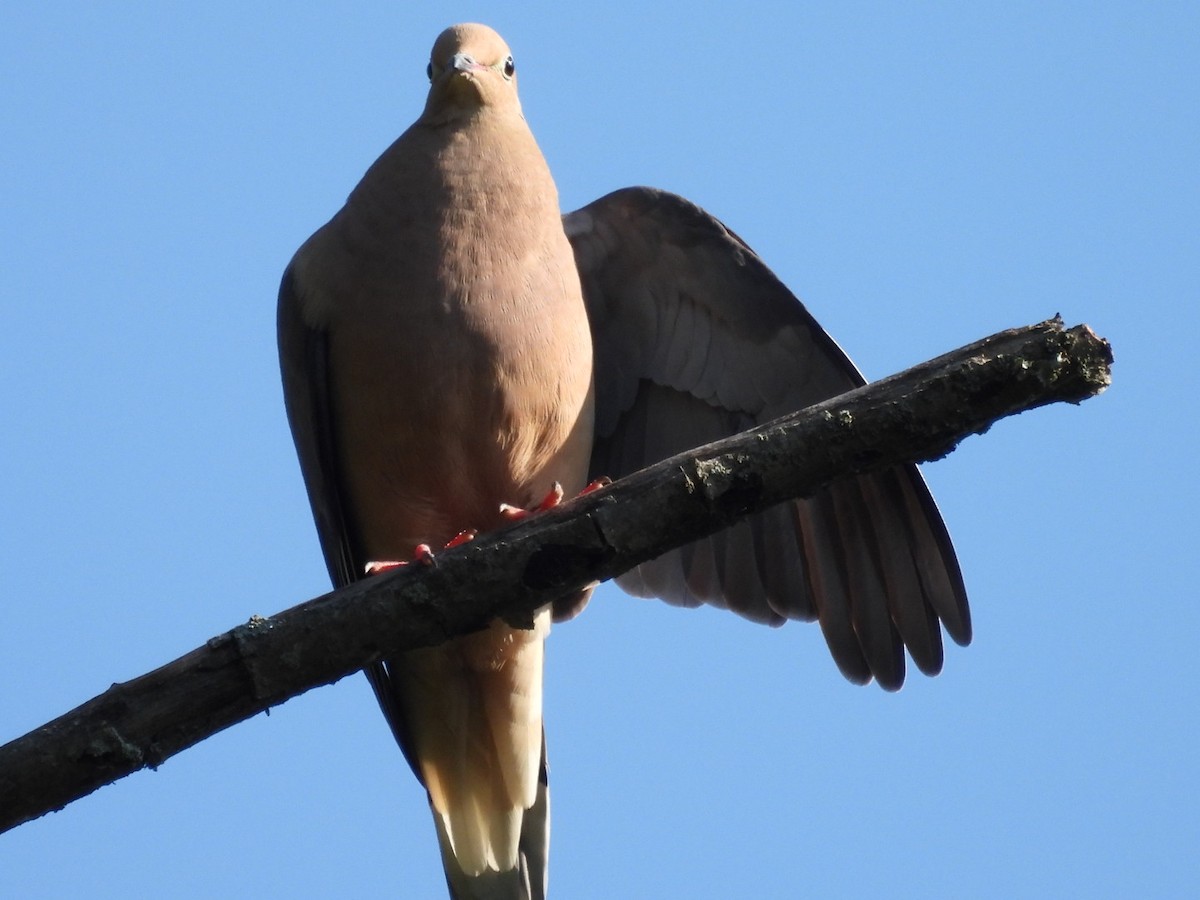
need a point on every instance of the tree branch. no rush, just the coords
(918, 415)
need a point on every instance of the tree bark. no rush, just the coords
(920, 414)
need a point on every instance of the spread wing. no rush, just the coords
(696, 339)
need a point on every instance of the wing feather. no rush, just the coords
(696, 339)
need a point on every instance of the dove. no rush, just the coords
(452, 346)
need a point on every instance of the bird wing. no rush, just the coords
(696, 339)
(305, 368)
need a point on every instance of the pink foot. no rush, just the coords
(602, 481)
(461, 538)
(551, 500)
(517, 513)
(422, 554)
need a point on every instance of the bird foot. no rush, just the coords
(517, 513)
(422, 554)
(602, 481)
(461, 538)
(551, 500)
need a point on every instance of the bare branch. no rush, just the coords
(918, 415)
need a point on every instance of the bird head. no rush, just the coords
(470, 68)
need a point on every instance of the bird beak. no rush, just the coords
(463, 62)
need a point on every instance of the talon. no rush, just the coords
(461, 538)
(517, 513)
(422, 554)
(601, 482)
(552, 499)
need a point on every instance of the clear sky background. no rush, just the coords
(921, 174)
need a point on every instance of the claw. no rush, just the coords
(461, 538)
(601, 482)
(517, 513)
(551, 500)
(422, 554)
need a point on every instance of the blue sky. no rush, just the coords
(920, 174)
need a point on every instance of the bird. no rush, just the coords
(453, 346)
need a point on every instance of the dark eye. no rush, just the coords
(429, 71)
(509, 67)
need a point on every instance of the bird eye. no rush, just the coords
(429, 71)
(509, 67)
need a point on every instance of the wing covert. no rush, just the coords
(696, 339)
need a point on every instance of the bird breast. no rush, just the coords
(463, 363)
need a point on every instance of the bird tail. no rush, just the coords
(527, 881)
(468, 715)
